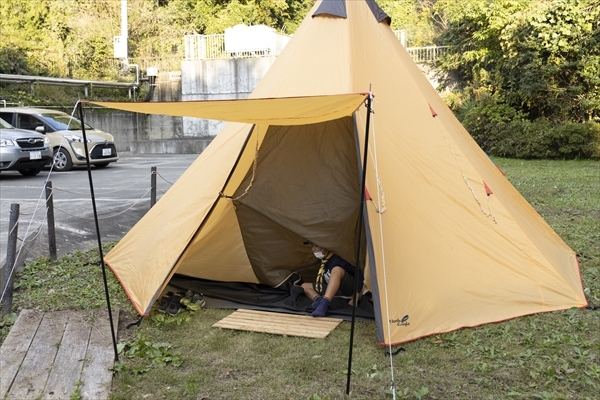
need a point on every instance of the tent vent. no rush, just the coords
(336, 8)
(379, 14)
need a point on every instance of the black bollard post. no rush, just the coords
(50, 219)
(153, 187)
(11, 256)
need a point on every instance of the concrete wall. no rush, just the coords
(218, 80)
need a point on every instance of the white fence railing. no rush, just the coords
(213, 47)
(422, 55)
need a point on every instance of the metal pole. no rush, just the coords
(360, 224)
(153, 187)
(8, 275)
(89, 169)
(50, 219)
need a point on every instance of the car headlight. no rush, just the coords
(76, 138)
(46, 140)
(7, 142)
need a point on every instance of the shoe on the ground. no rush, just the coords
(164, 302)
(193, 301)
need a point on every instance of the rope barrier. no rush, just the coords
(161, 177)
(111, 192)
(27, 238)
(107, 217)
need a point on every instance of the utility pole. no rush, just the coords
(121, 49)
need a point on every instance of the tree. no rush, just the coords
(541, 57)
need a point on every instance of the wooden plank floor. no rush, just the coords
(279, 324)
(53, 355)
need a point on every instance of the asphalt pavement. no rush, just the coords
(122, 194)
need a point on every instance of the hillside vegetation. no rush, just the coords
(528, 72)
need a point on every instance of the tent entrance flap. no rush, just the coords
(306, 186)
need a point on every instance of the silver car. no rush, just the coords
(23, 151)
(65, 135)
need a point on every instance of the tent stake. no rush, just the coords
(89, 169)
(360, 224)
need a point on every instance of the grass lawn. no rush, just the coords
(545, 356)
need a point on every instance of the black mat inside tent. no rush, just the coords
(287, 297)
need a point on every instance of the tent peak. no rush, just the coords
(337, 8)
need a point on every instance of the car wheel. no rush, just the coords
(30, 171)
(101, 165)
(62, 160)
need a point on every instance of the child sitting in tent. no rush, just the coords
(338, 275)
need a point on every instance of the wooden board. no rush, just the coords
(50, 355)
(15, 347)
(33, 373)
(279, 323)
(66, 371)
(99, 358)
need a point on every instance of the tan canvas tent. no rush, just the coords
(449, 242)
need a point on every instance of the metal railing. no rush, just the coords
(213, 47)
(429, 54)
(205, 47)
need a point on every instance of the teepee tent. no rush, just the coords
(448, 242)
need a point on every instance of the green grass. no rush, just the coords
(544, 356)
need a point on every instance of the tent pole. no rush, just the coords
(360, 224)
(89, 169)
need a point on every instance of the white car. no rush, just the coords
(65, 136)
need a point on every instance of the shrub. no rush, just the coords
(501, 130)
(488, 123)
(543, 139)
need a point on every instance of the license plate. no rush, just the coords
(106, 152)
(35, 155)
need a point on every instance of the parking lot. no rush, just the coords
(122, 192)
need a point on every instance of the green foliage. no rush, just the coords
(74, 281)
(148, 355)
(74, 39)
(501, 130)
(541, 58)
(415, 17)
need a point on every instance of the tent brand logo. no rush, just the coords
(400, 322)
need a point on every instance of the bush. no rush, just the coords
(488, 123)
(543, 139)
(501, 130)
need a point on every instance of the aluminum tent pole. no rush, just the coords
(89, 169)
(369, 101)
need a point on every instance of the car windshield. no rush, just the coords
(4, 124)
(62, 122)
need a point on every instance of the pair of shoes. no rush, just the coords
(170, 303)
(193, 301)
(316, 302)
(164, 302)
(175, 304)
(322, 308)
